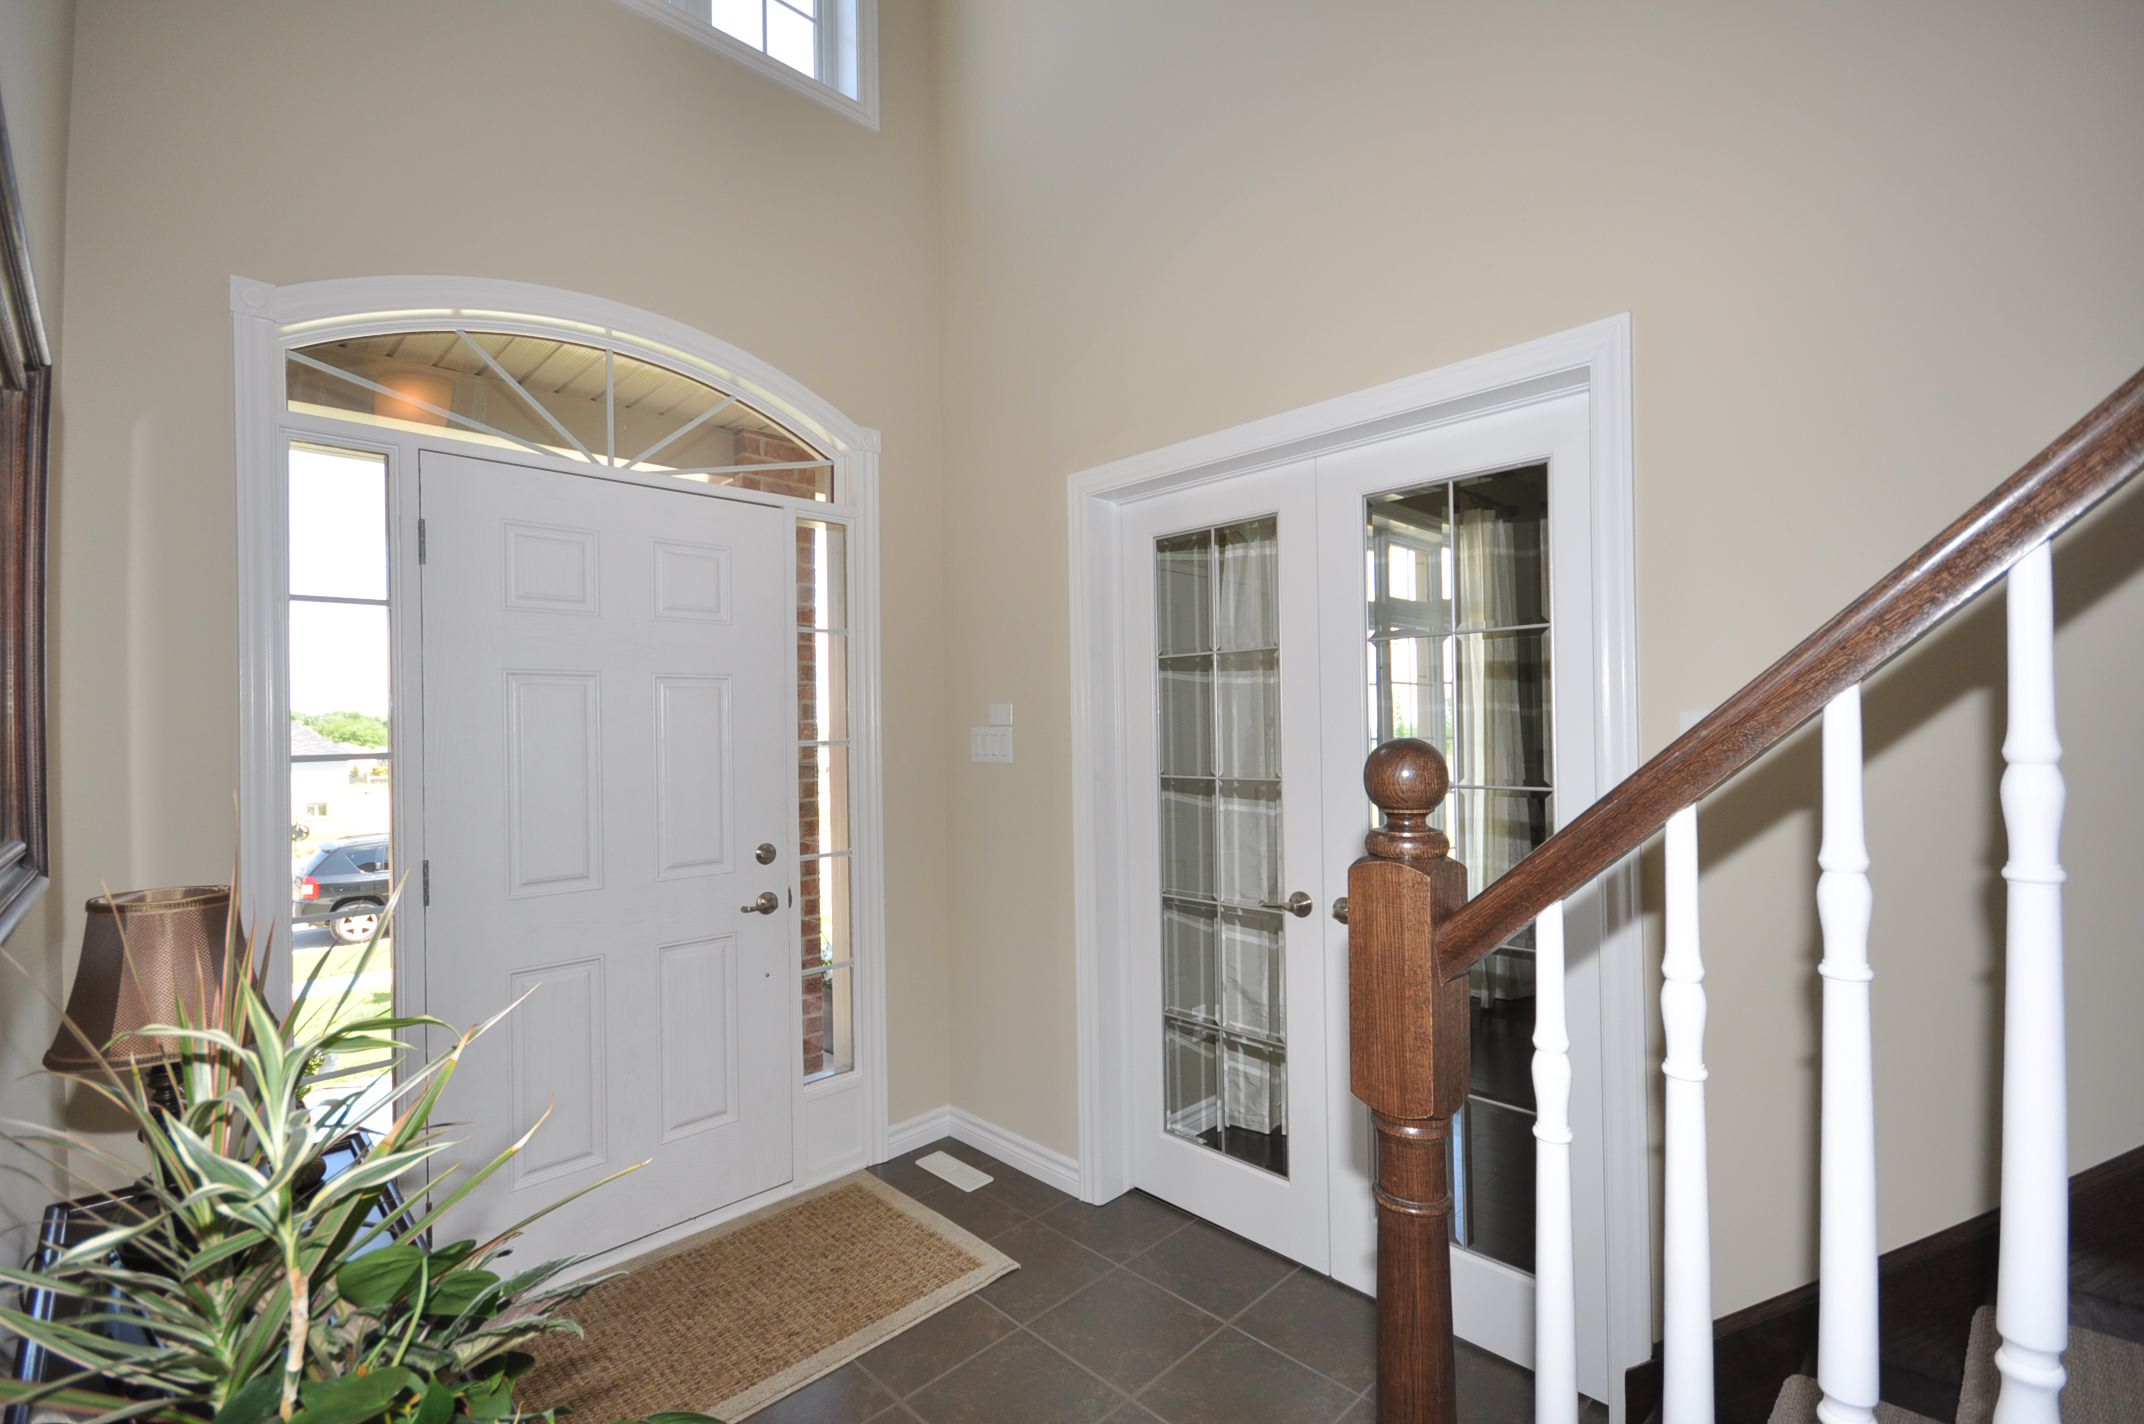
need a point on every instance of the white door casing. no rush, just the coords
(1285, 1212)
(603, 665)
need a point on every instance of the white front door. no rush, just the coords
(1428, 584)
(609, 702)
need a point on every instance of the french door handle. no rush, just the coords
(1340, 909)
(767, 903)
(1297, 904)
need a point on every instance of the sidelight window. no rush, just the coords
(826, 848)
(340, 753)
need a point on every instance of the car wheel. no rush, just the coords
(355, 922)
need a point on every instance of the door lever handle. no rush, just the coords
(1297, 904)
(766, 904)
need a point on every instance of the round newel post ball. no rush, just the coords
(1406, 775)
(1407, 778)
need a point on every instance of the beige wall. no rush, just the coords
(1875, 257)
(564, 142)
(36, 54)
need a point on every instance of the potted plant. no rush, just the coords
(254, 1285)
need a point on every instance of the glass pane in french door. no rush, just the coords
(1217, 684)
(1456, 578)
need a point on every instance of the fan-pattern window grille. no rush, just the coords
(561, 399)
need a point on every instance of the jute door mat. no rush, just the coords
(727, 1322)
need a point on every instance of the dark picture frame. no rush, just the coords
(25, 449)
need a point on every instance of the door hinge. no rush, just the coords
(428, 882)
(420, 541)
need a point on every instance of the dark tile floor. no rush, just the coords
(1131, 1313)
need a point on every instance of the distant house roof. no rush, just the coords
(304, 741)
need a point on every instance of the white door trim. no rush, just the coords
(1595, 359)
(267, 320)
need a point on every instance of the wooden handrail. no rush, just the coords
(2091, 460)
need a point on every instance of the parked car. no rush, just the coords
(344, 886)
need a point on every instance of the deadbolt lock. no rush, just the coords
(765, 854)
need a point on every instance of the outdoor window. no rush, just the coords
(825, 847)
(341, 751)
(824, 48)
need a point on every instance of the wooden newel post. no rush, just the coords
(1409, 1061)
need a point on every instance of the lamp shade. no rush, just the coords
(148, 957)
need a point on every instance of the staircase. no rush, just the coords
(1414, 934)
(2105, 1384)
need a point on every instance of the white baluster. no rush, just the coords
(1846, 1312)
(1686, 1350)
(1555, 1290)
(2032, 1291)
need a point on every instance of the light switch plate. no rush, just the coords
(990, 744)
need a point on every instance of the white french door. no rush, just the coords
(1458, 559)
(604, 665)
(1429, 584)
(1230, 1027)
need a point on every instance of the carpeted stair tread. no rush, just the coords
(2119, 1318)
(1799, 1397)
(2106, 1376)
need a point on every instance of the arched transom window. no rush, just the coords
(559, 398)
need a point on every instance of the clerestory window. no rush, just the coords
(827, 49)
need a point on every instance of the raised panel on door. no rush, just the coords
(694, 755)
(698, 989)
(610, 704)
(559, 1064)
(554, 781)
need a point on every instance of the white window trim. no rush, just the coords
(1596, 359)
(841, 1120)
(848, 51)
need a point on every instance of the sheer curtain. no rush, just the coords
(1494, 730)
(1247, 679)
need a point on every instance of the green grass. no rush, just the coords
(330, 1005)
(341, 959)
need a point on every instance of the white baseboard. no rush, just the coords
(921, 1130)
(1013, 1150)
